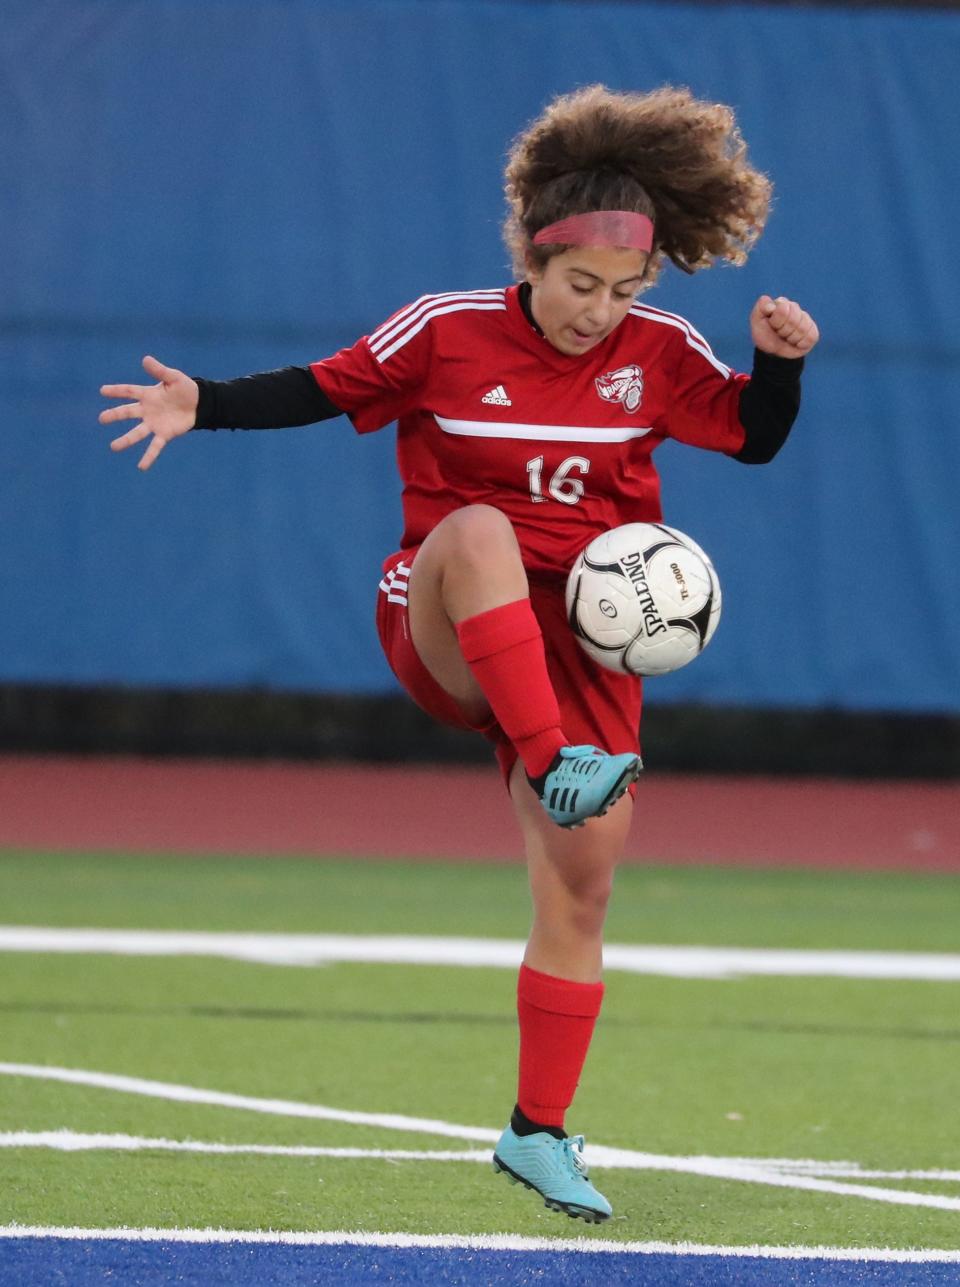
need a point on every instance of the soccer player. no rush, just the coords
(527, 420)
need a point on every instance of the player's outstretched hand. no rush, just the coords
(780, 326)
(165, 410)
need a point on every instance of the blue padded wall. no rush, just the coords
(239, 185)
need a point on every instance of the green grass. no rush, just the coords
(759, 1067)
(714, 905)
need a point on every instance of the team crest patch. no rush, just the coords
(623, 385)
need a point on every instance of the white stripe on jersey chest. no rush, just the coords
(539, 433)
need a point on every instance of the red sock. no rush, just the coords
(504, 650)
(557, 1018)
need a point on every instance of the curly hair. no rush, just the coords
(678, 160)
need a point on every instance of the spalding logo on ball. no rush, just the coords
(643, 599)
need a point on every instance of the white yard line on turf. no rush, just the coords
(250, 1103)
(78, 1141)
(489, 1242)
(326, 949)
(749, 1171)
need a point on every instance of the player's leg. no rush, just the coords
(559, 993)
(475, 631)
(571, 878)
(468, 565)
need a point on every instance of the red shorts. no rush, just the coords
(597, 706)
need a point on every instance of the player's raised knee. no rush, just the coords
(479, 534)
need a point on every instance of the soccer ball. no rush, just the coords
(643, 599)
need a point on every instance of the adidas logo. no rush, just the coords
(497, 397)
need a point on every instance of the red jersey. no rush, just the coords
(489, 412)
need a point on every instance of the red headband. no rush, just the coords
(599, 228)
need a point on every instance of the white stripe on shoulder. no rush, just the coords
(409, 315)
(663, 312)
(398, 316)
(693, 336)
(415, 328)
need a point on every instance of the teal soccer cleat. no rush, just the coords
(553, 1168)
(583, 782)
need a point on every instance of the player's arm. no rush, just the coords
(783, 334)
(176, 404)
(282, 399)
(372, 388)
(769, 404)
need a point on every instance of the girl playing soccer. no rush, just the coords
(527, 417)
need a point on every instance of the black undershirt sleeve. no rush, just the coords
(279, 399)
(768, 406)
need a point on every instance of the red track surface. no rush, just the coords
(181, 806)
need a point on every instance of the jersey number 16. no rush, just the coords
(561, 486)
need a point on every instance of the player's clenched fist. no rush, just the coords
(780, 326)
(165, 410)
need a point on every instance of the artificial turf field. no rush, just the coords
(814, 1072)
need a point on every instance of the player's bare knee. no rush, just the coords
(588, 897)
(479, 535)
(587, 917)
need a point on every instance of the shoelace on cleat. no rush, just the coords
(573, 1148)
(567, 770)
